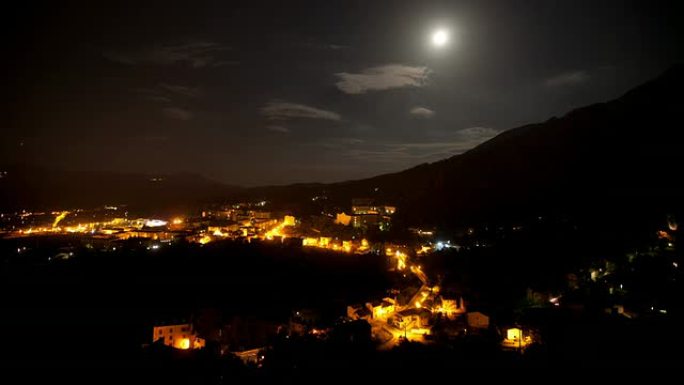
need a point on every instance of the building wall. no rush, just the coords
(179, 336)
(477, 320)
(343, 219)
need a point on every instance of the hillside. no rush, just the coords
(618, 158)
(41, 188)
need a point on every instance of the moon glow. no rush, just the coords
(440, 37)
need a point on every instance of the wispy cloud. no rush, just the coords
(197, 54)
(337, 143)
(422, 112)
(177, 113)
(476, 134)
(567, 79)
(190, 92)
(147, 94)
(278, 110)
(312, 44)
(410, 153)
(382, 78)
(280, 129)
(166, 93)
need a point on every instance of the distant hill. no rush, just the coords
(616, 159)
(42, 188)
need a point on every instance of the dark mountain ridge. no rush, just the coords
(617, 159)
(32, 187)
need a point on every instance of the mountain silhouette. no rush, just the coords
(617, 159)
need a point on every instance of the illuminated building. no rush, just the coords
(289, 220)
(178, 223)
(224, 230)
(181, 336)
(260, 214)
(383, 309)
(516, 338)
(155, 235)
(449, 307)
(365, 206)
(343, 219)
(251, 356)
(365, 221)
(309, 241)
(347, 246)
(419, 317)
(366, 214)
(155, 223)
(358, 312)
(276, 232)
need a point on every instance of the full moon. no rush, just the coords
(440, 38)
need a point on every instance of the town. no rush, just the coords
(419, 304)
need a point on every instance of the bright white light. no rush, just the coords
(155, 223)
(440, 38)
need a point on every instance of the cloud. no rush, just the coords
(154, 97)
(382, 78)
(477, 134)
(177, 113)
(190, 92)
(285, 111)
(280, 129)
(167, 93)
(567, 79)
(422, 112)
(348, 141)
(197, 54)
(405, 154)
(337, 143)
(312, 44)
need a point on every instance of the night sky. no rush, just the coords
(273, 92)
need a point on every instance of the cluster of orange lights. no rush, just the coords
(329, 244)
(80, 228)
(278, 232)
(399, 256)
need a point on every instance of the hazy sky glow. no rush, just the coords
(271, 92)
